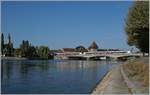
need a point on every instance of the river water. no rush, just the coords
(52, 76)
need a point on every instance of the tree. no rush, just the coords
(27, 50)
(9, 47)
(17, 52)
(2, 44)
(32, 52)
(137, 25)
(80, 49)
(24, 48)
(43, 51)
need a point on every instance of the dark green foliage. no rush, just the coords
(137, 25)
(27, 50)
(24, 48)
(43, 52)
(55, 51)
(81, 49)
(2, 43)
(32, 52)
(7, 49)
(17, 52)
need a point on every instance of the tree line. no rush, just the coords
(26, 49)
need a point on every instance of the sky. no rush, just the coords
(64, 24)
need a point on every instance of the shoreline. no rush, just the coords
(22, 58)
(13, 58)
(99, 82)
(99, 86)
(117, 82)
(112, 83)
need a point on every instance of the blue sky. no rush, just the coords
(66, 24)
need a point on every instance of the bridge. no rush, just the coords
(100, 56)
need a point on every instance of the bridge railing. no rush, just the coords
(97, 54)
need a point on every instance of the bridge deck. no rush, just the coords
(104, 55)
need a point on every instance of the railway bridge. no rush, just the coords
(116, 56)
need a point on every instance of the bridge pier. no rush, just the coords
(76, 58)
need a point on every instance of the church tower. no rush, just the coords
(93, 46)
(10, 49)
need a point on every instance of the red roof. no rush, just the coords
(68, 50)
(93, 45)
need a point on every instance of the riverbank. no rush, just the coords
(112, 83)
(128, 78)
(136, 75)
(13, 58)
(22, 58)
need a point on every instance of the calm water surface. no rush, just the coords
(52, 76)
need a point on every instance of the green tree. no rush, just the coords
(80, 49)
(2, 44)
(137, 25)
(9, 47)
(17, 52)
(43, 51)
(27, 50)
(24, 48)
(32, 52)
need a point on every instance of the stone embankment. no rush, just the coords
(112, 83)
(117, 81)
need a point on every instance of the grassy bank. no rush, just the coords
(138, 71)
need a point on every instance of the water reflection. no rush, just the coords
(52, 76)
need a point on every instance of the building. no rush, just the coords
(63, 53)
(7, 49)
(68, 50)
(93, 46)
